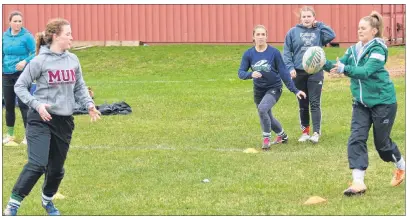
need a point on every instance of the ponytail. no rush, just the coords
(54, 26)
(39, 39)
(376, 21)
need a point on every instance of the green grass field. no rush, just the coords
(192, 118)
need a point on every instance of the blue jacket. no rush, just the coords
(300, 38)
(17, 48)
(270, 64)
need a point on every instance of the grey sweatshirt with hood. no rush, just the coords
(59, 82)
(300, 38)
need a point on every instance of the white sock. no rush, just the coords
(13, 203)
(281, 133)
(45, 199)
(401, 164)
(358, 175)
(266, 134)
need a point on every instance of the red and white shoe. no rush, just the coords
(266, 143)
(305, 135)
(280, 139)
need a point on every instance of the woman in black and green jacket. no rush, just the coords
(374, 101)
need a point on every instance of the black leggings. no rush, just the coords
(9, 80)
(313, 88)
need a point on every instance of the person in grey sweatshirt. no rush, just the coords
(307, 34)
(58, 75)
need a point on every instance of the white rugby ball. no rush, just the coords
(313, 60)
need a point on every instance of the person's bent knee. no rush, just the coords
(35, 167)
(263, 109)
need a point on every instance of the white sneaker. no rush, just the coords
(357, 188)
(24, 140)
(315, 137)
(304, 137)
(10, 211)
(9, 141)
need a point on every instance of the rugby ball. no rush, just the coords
(313, 60)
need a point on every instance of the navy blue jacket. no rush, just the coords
(270, 64)
(299, 39)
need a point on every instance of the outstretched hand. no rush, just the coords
(336, 66)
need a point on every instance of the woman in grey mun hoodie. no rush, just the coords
(298, 39)
(50, 122)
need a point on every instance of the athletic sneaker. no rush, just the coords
(266, 143)
(314, 138)
(304, 137)
(10, 211)
(398, 177)
(51, 209)
(281, 139)
(9, 141)
(8, 138)
(355, 189)
(24, 140)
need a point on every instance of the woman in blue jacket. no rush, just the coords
(267, 71)
(18, 50)
(307, 34)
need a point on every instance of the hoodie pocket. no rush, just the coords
(373, 90)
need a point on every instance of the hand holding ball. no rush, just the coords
(313, 60)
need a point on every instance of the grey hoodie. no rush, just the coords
(59, 82)
(300, 38)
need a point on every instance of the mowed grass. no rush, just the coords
(192, 118)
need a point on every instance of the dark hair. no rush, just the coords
(54, 26)
(14, 13)
(376, 21)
